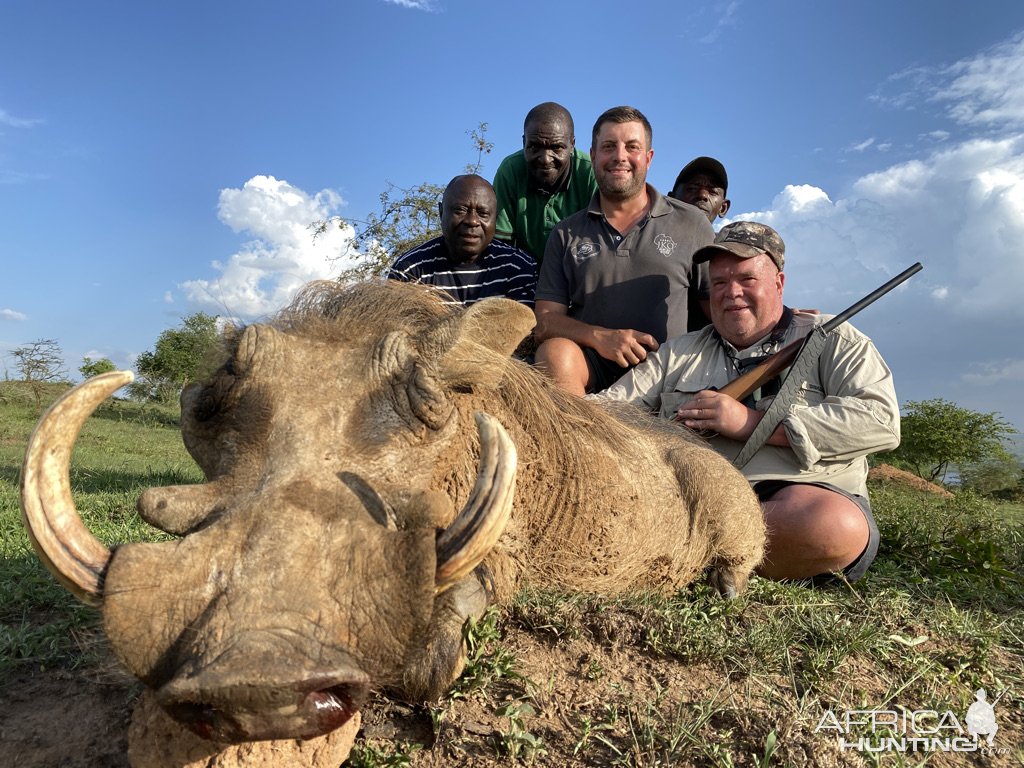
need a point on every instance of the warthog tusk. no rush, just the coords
(464, 543)
(67, 548)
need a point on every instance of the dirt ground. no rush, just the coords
(59, 719)
(885, 473)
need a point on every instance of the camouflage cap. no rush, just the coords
(707, 165)
(745, 239)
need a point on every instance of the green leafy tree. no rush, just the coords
(999, 472)
(408, 217)
(937, 433)
(176, 358)
(90, 367)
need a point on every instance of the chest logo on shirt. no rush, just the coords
(665, 244)
(584, 250)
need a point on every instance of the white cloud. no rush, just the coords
(863, 145)
(960, 211)
(725, 16)
(10, 314)
(419, 5)
(987, 89)
(267, 271)
(8, 176)
(168, 297)
(982, 91)
(1003, 370)
(17, 122)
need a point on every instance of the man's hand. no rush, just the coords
(711, 411)
(625, 347)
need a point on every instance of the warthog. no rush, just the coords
(345, 532)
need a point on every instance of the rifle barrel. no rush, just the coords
(872, 297)
(743, 385)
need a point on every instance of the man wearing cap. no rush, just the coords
(615, 277)
(545, 181)
(702, 183)
(811, 472)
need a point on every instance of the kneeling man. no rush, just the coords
(811, 472)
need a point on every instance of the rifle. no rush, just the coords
(743, 385)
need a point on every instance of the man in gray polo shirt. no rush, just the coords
(614, 279)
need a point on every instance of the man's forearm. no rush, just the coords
(551, 325)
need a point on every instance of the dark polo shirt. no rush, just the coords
(636, 280)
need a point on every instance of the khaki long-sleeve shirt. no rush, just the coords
(846, 410)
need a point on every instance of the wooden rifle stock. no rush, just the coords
(744, 385)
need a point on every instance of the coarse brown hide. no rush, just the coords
(339, 443)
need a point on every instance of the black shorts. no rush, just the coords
(603, 373)
(768, 488)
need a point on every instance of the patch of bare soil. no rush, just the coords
(57, 718)
(885, 473)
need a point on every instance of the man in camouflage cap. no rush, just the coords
(811, 473)
(746, 239)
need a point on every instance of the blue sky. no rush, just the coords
(159, 159)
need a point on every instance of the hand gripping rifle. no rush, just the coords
(802, 355)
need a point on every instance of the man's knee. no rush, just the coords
(563, 360)
(812, 531)
(847, 531)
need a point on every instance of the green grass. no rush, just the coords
(940, 614)
(125, 448)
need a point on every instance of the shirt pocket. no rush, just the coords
(672, 399)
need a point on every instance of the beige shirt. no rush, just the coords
(844, 412)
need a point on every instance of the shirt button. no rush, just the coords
(618, 237)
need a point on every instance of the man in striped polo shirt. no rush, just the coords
(466, 262)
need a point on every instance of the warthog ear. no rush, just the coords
(498, 324)
(454, 343)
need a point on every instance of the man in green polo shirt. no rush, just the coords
(545, 181)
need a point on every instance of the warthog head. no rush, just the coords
(311, 564)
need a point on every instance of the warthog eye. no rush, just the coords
(428, 399)
(415, 388)
(211, 399)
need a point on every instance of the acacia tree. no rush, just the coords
(175, 359)
(40, 361)
(937, 433)
(408, 217)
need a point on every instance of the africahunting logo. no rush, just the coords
(923, 730)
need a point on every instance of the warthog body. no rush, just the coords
(321, 557)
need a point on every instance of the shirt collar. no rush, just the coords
(659, 205)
